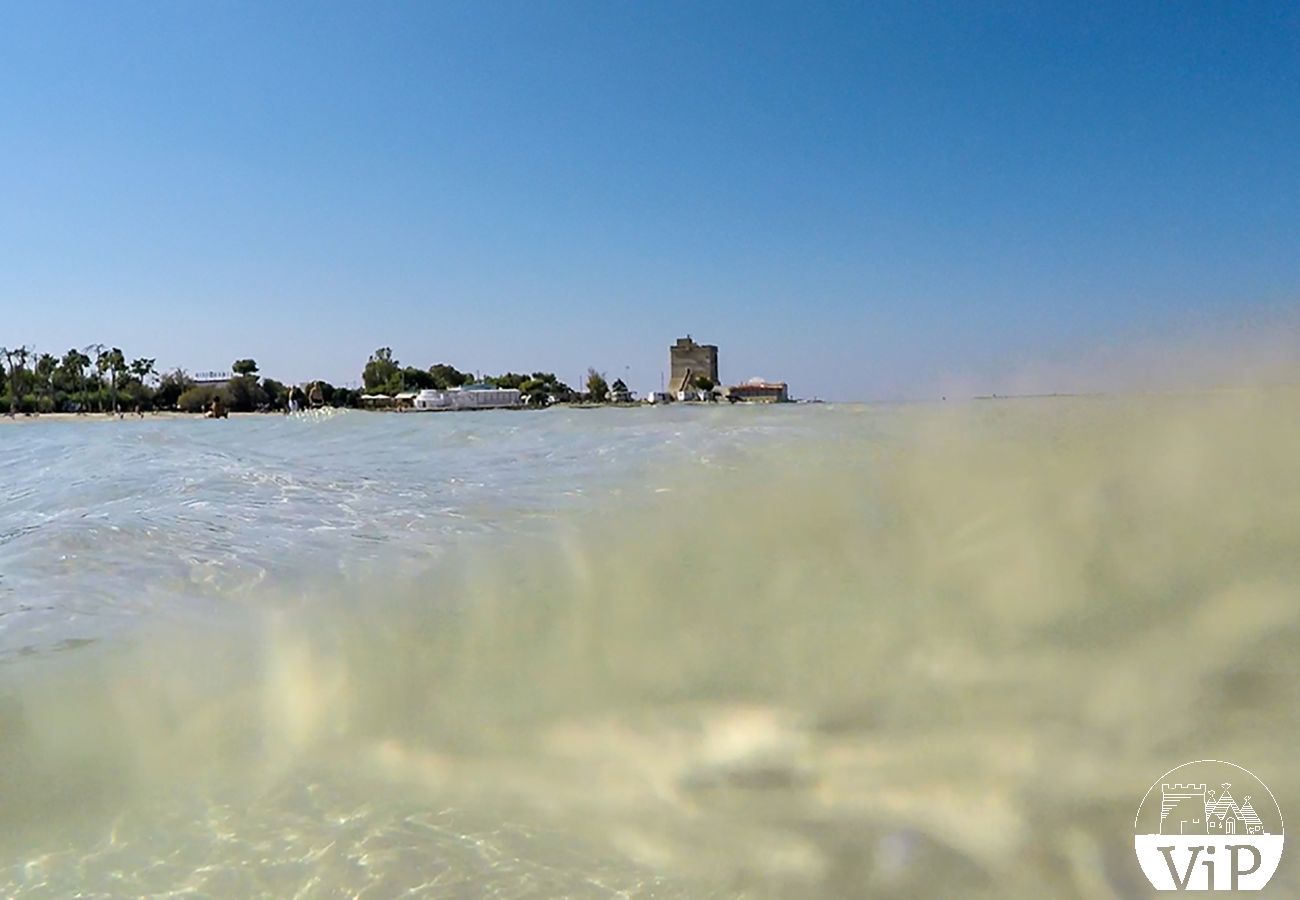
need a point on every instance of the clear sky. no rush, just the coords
(868, 200)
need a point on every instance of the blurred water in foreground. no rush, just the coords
(840, 651)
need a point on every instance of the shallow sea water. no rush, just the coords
(814, 651)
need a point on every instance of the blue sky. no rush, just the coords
(869, 200)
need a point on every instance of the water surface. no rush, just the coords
(804, 651)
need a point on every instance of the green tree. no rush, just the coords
(116, 366)
(597, 387)
(508, 380)
(198, 398)
(343, 397)
(18, 376)
(445, 376)
(704, 383)
(244, 394)
(277, 394)
(543, 387)
(382, 373)
(16, 360)
(534, 391)
(170, 388)
(109, 362)
(72, 373)
(140, 370)
(43, 370)
(417, 379)
(100, 367)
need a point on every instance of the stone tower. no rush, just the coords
(690, 358)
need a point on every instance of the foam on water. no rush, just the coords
(840, 651)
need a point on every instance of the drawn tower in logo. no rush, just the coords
(1182, 809)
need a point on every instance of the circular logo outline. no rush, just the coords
(1264, 845)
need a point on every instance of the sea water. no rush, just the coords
(938, 650)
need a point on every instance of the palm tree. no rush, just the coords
(44, 368)
(16, 360)
(101, 366)
(109, 362)
(74, 365)
(86, 367)
(4, 351)
(141, 369)
(116, 365)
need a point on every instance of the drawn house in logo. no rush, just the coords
(1222, 816)
(1191, 809)
(1248, 815)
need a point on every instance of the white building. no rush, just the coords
(471, 396)
(211, 379)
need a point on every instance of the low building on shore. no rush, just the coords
(471, 396)
(759, 390)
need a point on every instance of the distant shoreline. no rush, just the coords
(21, 418)
(5, 418)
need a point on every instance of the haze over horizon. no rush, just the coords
(869, 203)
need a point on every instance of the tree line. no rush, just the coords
(247, 391)
(98, 378)
(101, 379)
(385, 375)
